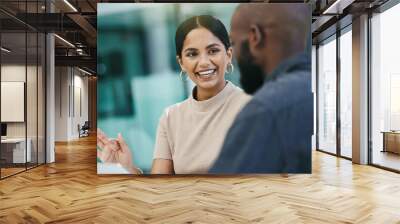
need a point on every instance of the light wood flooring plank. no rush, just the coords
(70, 191)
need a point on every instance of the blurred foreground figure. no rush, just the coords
(272, 134)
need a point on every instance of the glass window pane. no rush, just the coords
(327, 96)
(346, 94)
(386, 89)
(23, 85)
(13, 87)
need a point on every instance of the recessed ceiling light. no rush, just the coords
(64, 40)
(5, 49)
(84, 71)
(70, 5)
(337, 7)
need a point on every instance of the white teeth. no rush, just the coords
(208, 72)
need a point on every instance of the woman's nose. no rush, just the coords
(204, 61)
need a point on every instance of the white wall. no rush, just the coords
(13, 73)
(81, 82)
(12, 101)
(10, 73)
(61, 103)
(70, 83)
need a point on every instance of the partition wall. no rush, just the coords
(22, 76)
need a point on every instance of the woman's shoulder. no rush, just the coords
(176, 108)
(239, 96)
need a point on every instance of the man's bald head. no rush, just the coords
(283, 19)
(278, 30)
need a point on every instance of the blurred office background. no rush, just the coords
(138, 75)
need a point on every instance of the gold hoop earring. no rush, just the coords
(232, 69)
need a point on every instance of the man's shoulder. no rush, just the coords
(277, 95)
(285, 91)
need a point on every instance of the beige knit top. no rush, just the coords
(191, 133)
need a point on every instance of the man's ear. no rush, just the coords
(256, 37)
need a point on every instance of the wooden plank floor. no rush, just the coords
(10, 171)
(70, 191)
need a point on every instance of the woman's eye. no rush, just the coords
(213, 51)
(191, 54)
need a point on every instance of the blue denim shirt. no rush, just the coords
(272, 133)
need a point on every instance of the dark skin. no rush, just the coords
(275, 31)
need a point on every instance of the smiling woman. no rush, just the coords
(204, 52)
(191, 133)
(204, 59)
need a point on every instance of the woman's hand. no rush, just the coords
(115, 151)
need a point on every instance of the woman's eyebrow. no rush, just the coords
(213, 45)
(190, 49)
(208, 46)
